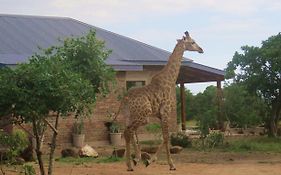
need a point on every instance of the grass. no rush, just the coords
(256, 144)
(191, 124)
(151, 142)
(84, 160)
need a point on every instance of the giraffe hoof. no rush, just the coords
(146, 162)
(130, 169)
(135, 162)
(173, 169)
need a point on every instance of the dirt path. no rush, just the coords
(182, 169)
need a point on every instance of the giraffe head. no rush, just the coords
(189, 44)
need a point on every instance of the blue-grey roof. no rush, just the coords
(21, 36)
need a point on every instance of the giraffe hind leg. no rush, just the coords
(128, 136)
(137, 150)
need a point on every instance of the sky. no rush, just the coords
(220, 27)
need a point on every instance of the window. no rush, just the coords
(130, 84)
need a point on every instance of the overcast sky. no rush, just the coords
(220, 27)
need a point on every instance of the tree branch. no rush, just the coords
(51, 126)
(26, 130)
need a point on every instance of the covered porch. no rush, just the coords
(196, 73)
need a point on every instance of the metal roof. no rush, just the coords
(21, 36)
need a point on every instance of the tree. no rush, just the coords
(242, 108)
(189, 99)
(259, 70)
(86, 55)
(206, 108)
(52, 82)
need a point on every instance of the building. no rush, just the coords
(134, 61)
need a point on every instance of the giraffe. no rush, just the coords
(155, 100)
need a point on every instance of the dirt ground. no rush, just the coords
(182, 169)
(187, 163)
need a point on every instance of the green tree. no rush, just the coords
(205, 108)
(52, 82)
(259, 70)
(189, 100)
(242, 108)
(86, 55)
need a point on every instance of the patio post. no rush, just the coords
(182, 97)
(219, 105)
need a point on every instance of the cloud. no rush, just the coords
(120, 10)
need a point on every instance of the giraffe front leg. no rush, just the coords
(166, 138)
(128, 136)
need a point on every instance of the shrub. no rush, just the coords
(15, 143)
(180, 139)
(28, 170)
(214, 139)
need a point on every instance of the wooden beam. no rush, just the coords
(183, 116)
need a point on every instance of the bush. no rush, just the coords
(28, 170)
(214, 139)
(15, 143)
(180, 139)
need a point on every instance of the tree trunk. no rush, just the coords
(53, 147)
(277, 115)
(274, 119)
(38, 147)
(272, 130)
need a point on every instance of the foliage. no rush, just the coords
(214, 139)
(259, 70)
(257, 144)
(61, 79)
(242, 108)
(206, 110)
(28, 170)
(206, 121)
(153, 128)
(190, 110)
(78, 127)
(114, 127)
(15, 143)
(86, 55)
(180, 139)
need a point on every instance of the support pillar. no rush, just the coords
(219, 106)
(182, 97)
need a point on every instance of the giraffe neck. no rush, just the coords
(170, 72)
